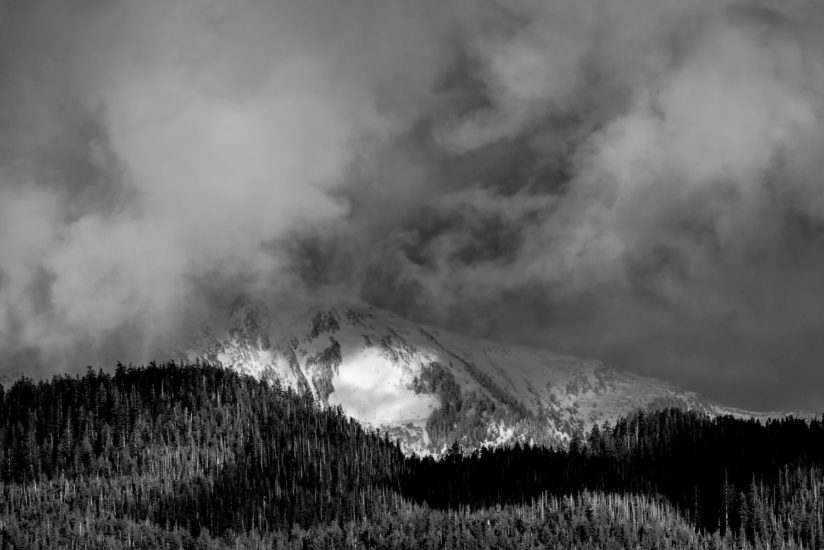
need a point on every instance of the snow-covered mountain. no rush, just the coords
(429, 387)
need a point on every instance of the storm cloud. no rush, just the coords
(637, 181)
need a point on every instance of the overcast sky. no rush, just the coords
(640, 181)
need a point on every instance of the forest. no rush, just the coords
(200, 457)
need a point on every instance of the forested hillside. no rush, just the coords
(201, 457)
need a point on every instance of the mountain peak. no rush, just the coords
(429, 387)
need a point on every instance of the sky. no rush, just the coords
(636, 181)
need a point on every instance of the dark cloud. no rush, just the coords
(636, 181)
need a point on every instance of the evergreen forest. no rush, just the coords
(199, 457)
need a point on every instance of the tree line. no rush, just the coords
(196, 456)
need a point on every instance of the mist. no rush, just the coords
(640, 183)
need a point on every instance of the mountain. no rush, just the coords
(428, 387)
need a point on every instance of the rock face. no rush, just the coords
(428, 387)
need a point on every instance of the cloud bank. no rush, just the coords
(636, 181)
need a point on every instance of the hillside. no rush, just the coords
(198, 457)
(429, 387)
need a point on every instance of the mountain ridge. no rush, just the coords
(429, 387)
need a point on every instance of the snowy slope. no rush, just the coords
(429, 387)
